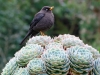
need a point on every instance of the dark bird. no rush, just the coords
(42, 21)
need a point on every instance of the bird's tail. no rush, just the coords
(27, 35)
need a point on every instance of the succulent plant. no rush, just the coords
(62, 37)
(41, 40)
(81, 59)
(96, 69)
(43, 74)
(68, 40)
(56, 61)
(21, 71)
(36, 66)
(62, 55)
(27, 53)
(95, 52)
(10, 67)
(54, 45)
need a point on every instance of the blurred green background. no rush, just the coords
(78, 17)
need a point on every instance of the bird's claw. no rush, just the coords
(42, 33)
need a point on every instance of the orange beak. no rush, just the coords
(51, 7)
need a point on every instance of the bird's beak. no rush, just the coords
(51, 7)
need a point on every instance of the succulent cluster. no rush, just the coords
(96, 69)
(36, 66)
(62, 55)
(68, 40)
(21, 71)
(10, 67)
(95, 52)
(41, 40)
(81, 59)
(27, 53)
(56, 61)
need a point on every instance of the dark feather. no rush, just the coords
(36, 19)
(31, 32)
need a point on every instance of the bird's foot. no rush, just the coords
(42, 33)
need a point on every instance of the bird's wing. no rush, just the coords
(36, 19)
(31, 32)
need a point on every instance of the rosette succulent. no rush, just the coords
(56, 61)
(10, 67)
(81, 59)
(41, 40)
(36, 66)
(68, 40)
(62, 37)
(95, 52)
(27, 53)
(96, 69)
(21, 71)
(54, 45)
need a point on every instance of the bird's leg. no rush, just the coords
(42, 33)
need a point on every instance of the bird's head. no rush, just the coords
(47, 8)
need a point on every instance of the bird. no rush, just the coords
(42, 21)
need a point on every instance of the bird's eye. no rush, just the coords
(46, 9)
